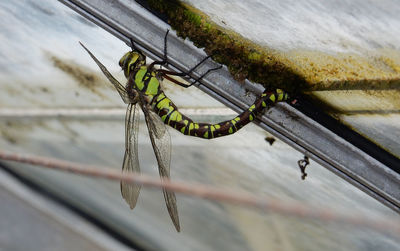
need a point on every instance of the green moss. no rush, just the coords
(193, 18)
(243, 58)
(294, 71)
(254, 56)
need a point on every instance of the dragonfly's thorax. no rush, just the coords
(146, 83)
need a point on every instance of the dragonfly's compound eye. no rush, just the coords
(125, 58)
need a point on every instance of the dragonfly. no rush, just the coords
(143, 89)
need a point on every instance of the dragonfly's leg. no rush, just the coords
(165, 73)
(182, 74)
(165, 57)
(202, 76)
(176, 81)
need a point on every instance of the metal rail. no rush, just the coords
(126, 19)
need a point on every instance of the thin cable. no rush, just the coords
(391, 226)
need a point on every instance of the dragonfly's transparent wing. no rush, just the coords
(130, 192)
(161, 141)
(120, 88)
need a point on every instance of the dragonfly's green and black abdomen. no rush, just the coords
(170, 115)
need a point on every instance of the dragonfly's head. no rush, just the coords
(131, 62)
